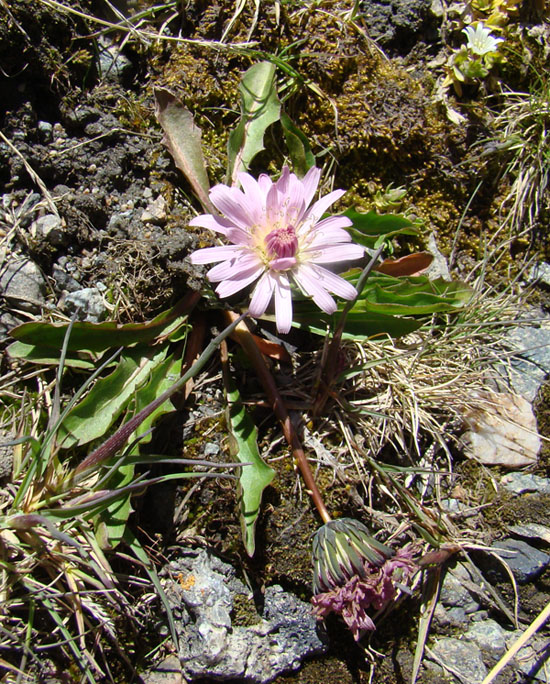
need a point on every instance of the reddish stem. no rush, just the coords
(245, 338)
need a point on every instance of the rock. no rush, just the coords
(531, 659)
(23, 284)
(45, 131)
(63, 280)
(399, 24)
(525, 561)
(461, 657)
(155, 212)
(6, 455)
(88, 304)
(519, 483)
(454, 593)
(502, 432)
(113, 65)
(7, 322)
(489, 636)
(529, 368)
(539, 273)
(166, 672)
(50, 227)
(222, 637)
(532, 531)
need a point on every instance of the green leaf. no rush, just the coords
(255, 477)
(371, 229)
(414, 295)
(110, 523)
(298, 146)
(45, 356)
(183, 140)
(260, 107)
(360, 325)
(94, 415)
(96, 337)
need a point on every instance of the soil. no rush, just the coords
(78, 108)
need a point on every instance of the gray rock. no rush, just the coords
(222, 637)
(529, 368)
(6, 455)
(88, 304)
(533, 658)
(155, 212)
(211, 449)
(23, 284)
(489, 636)
(7, 322)
(454, 594)
(45, 130)
(113, 65)
(63, 280)
(531, 531)
(462, 658)
(525, 561)
(50, 228)
(519, 483)
(540, 273)
(166, 672)
(399, 24)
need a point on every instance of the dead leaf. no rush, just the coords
(410, 265)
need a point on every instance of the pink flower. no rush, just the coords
(279, 240)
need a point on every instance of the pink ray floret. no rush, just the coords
(278, 239)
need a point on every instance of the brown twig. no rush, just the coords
(244, 337)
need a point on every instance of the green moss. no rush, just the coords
(244, 613)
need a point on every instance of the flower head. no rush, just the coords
(278, 239)
(480, 40)
(352, 571)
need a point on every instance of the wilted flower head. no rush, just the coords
(352, 571)
(480, 40)
(277, 239)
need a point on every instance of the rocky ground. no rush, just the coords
(93, 220)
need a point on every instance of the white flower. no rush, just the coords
(480, 40)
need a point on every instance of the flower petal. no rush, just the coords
(282, 263)
(234, 204)
(219, 224)
(322, 204)
(209, 255)
(334, 253)
(227, 269)
(311, 284)
(283, 304)
(326, 236)
(229, 287)
(254, 194)
(310, 182)
(334, 283)
(262, 295)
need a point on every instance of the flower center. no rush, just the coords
(282, 242)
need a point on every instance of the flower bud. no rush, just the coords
(352, 571)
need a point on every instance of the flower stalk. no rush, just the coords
(244, 337)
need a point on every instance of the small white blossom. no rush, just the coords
(480, 40)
